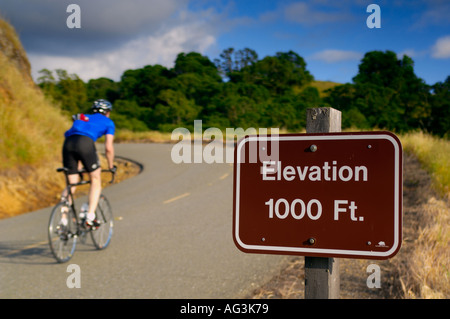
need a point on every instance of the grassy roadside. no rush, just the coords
(426, 273)
(434, 154)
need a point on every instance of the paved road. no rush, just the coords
(172, 240)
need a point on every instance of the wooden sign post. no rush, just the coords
(322, 279)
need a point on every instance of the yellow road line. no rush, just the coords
(176, 198)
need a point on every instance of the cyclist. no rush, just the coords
(79, 149)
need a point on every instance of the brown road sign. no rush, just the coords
(325, 195)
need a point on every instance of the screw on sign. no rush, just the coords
(324, 195)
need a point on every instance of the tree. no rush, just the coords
(175, 109)
(439, 121)
(277, 73)
(143, 85)
(129, 115)
(194, 62)
(68, 90)
(241, 104)
(47, 83)
(382, 69)
(102, 88)
(73, 93)
(365, 105)
(199, 88)
(244, 58)
(234, 61)
(197, 77)
(386, 93)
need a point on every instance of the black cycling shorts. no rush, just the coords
(80, 148)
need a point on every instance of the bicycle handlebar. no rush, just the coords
(113, 173)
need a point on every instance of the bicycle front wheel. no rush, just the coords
(62, 231)
(102, 235)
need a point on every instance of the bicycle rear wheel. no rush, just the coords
(102, 235)
(62, 234)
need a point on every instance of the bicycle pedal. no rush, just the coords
(92, 225)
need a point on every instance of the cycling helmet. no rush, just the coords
(101, 106)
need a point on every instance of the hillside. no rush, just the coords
(322, 86)
(31, 131)
(11, 48)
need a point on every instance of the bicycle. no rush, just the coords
(63, 236)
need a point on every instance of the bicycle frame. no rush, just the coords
(70, 201)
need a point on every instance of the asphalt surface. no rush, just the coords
(172, 239)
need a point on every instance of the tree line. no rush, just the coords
(240, 90)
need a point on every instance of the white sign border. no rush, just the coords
(306, 250)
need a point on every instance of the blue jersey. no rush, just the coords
(91, 125)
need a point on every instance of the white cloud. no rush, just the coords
(160, 48)
(332, 56)
(441, 49)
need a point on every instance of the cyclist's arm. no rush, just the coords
(109, 150)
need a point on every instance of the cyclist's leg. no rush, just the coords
(94, 192)
(73, 179)
(87, 153)
(71, 161)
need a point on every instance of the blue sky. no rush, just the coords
(332, 36)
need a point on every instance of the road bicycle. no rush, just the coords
(66, 225)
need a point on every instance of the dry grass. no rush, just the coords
(426, 272)
(288, 284)
(31, 129)
(434, 154)
(141, 137)
(11, 47)
(321, 86)
(27, 188)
